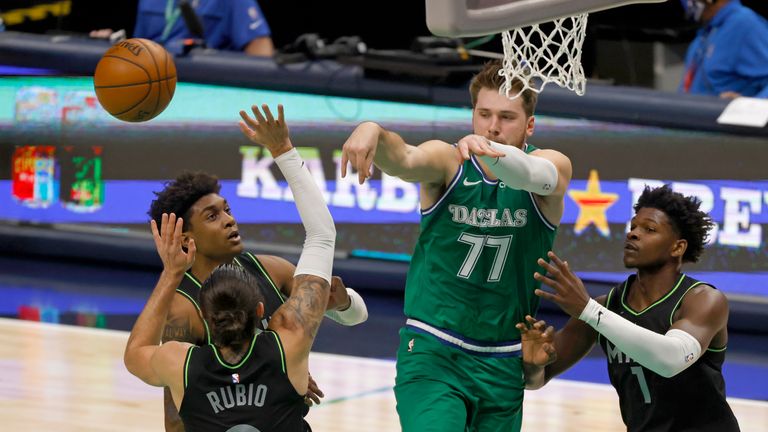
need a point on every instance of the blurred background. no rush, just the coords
(75, 184)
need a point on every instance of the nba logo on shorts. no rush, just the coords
(235, 378)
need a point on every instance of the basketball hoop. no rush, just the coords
(537, 56)
(530, 51)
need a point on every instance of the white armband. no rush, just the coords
(355, 314)
(519, 170)
(317, 255)
(666, 354)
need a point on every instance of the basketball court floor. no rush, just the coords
(66, 378)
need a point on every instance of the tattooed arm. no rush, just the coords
(183, 324)
(297, 320)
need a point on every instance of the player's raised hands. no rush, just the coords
(476, 145)
(265, 130)
(168, 241)
(570, 293)
(537, 341)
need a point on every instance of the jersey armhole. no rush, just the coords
(279, 344)
(451, 185)
(199, 311)
(264, 272)
(677, 306)
(186, 365)
(680, 301)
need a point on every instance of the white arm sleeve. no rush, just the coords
(519, 170)
(355, 314)
(666, 354)
(317, 256)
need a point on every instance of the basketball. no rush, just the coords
(135, 80)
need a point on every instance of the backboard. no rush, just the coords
(462, 18)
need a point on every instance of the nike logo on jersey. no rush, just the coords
(471, 183)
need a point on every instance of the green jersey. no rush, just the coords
(472, 269)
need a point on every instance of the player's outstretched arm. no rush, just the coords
(431, 162)
(297, 320)
(543, 172)
(667, 354)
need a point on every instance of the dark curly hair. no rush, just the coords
(690, 223)
(228, 301)
(180, 194)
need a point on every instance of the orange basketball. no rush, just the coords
(135, 80)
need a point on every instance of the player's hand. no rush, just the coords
(168, 242)
(265, 130)
(313, 393)
(570, 293)
(359, 150)
(339, 298)
(537, 341)
(477, 145)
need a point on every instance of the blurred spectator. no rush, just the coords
(729, 57)
(234, 25)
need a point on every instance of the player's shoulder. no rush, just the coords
(703, 296)
(554, 156)
(271, 262)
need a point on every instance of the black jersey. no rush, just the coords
(255, 393)
(273, 298)
(693, 400)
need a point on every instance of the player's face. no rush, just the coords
(651, 241)
(214, 229)
(500, 119)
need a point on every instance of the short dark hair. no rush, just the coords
(690, 223)
(228, 300)
(489, 78)
(180, 194)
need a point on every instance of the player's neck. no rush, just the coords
(651, 284)
(204, 266)
(233, 357)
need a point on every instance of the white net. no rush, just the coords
(537, 56)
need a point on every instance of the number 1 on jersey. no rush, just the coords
(638, 372)
(477, 243)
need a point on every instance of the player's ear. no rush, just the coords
(260, 310)
(185, 238)
(529, 126)
(679, 248)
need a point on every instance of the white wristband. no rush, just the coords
(666, 354)
(317, 255)
(355, 314)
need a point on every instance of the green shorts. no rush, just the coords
(443, 388)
